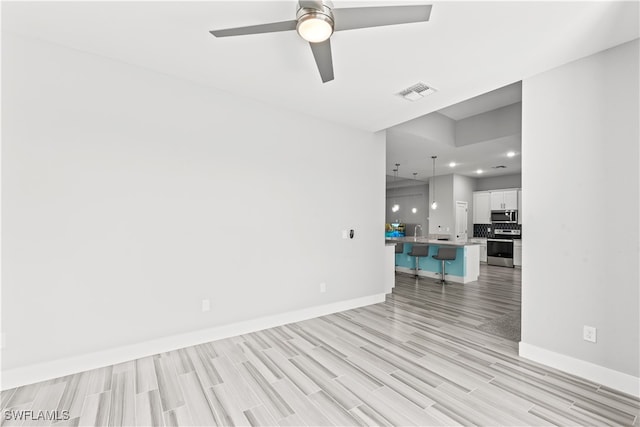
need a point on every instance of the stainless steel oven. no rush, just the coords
(500, 252)
(500, 247)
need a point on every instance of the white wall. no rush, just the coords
(493, 124)
(449, 189)
(415, 196)
(128, 196)
(499, 182)
(433, 127)
(442, 219)
(580, 203)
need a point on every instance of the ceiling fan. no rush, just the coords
(316, 20)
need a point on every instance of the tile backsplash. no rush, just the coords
(482, 230)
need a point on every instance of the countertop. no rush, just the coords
(425, 240)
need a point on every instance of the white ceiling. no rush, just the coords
(466, 49)
(413, 152)
(487, 102)
(414, 155)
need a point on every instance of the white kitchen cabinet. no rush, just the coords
(517, 253)
(504, 200)
(520, 207)
(481, 207)
(511, 199)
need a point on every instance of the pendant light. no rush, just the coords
(395, 207)
(434, 204)
(415, 210)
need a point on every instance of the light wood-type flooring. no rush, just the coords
(417, 359)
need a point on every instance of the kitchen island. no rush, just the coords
(464, 269)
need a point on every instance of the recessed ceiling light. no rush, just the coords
(452, 164)
(479, 171)
(414, 210)
(511, 154)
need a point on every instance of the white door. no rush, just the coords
(461, 220)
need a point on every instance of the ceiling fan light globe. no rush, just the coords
(315, 27)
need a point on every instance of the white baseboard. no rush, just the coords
(61, 367)
(599, 374)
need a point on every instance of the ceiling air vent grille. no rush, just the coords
(415, 92)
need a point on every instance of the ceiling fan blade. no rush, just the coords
(322, 54)
(273, 27)
(352, 18)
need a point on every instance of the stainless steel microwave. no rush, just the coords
(505, 216)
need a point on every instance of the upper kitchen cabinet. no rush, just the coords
(481, 207)
(504, 200)
(510, 199)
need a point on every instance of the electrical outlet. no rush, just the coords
(323, 287)
(206, 305)
(589, 333)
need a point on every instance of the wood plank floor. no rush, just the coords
(417, 359)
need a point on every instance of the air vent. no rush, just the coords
(415, 92)
(499, 167)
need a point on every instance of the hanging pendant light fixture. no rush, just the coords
(414, 210)
(434, 204)
(395, 207)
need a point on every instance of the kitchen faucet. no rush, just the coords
(415, 232)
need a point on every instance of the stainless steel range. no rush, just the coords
(500, 247)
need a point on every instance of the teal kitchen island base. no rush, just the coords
(464, 269)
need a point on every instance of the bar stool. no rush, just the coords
(419, 251)
(399, 249)
(445, 254)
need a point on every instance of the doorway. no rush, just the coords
(461, 220)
